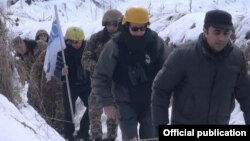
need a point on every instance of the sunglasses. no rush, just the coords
(114, 24)
(135, 28)
(74, 42)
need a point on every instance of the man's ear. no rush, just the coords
(205, 31)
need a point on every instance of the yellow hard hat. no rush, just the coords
(74, 33)
(136, 14)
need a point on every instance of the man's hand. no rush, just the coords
(65, 71)
(110, 112)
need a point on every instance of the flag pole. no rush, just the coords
(64, 62)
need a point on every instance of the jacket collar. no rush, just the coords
(206, 50)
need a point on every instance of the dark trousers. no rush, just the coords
(129, 118)
(76, 91)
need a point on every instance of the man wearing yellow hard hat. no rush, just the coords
(126, 69)
(79, 82)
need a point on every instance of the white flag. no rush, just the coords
(56, 44)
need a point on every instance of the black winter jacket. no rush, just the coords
(104, 84)
(204, 85)
(77, 74)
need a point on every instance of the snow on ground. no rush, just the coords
(177, 19)
(24, 123)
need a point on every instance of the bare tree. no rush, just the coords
(190, 6)
(149, 6)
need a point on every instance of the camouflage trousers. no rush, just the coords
(49, 104)
(95, 113)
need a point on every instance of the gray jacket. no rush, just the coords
(204, 86)
(103, 82)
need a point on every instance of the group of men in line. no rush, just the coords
(126, 71)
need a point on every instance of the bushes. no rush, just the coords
(7, 81)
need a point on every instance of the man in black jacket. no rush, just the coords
(126, 69)
(204, 77)
(79, 82)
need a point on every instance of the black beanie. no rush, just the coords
(219, 19)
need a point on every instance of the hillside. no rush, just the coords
(178, 20)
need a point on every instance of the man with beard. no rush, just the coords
(126, 69)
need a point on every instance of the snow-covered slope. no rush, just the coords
(23, 124)
(177, 19)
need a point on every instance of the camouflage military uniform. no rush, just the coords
(35, 49)
(111, 21)
(22, 69)
(41, 31)
(49, 94)
(90, 56)
(24, 63)
(43, 96)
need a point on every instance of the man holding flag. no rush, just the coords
(79, 81)
(64, 62)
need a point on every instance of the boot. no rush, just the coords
(97, 139)
(71, 138)
(109, 139)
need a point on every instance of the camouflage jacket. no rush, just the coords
(94, 48)
(24, 62)
(38, 82)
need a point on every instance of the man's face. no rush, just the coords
(217, 38)
(112, 27)
(137, 30)
(21, 48)
(75, 44)
(43, 37)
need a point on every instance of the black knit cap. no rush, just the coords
(219, 19)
